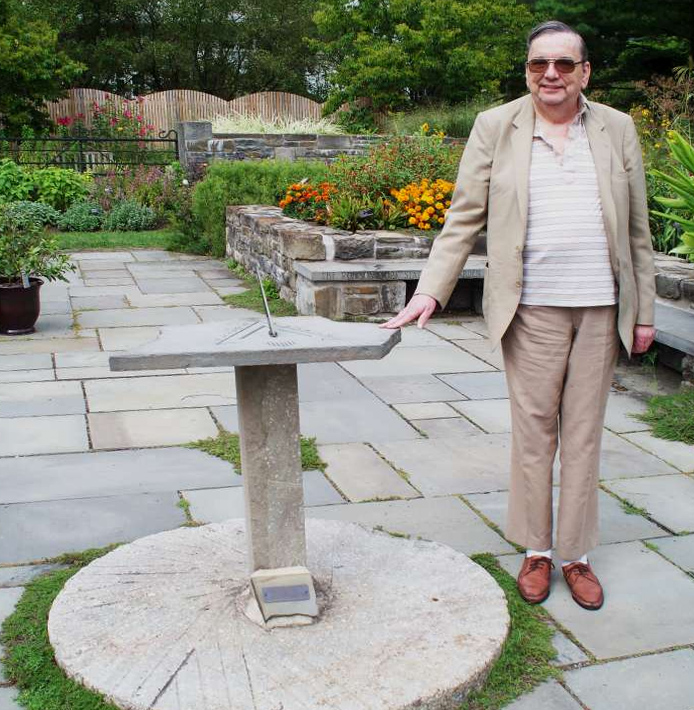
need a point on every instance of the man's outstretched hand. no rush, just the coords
(420, 307)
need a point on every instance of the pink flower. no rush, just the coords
(80, 117)
(127, 113)
(150, 127)
(139, 119)
(142, 131)
(113, 121)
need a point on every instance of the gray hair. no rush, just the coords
(556, 26)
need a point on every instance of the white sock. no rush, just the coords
(583, 559)
(534, 553)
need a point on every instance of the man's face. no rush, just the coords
(552, 88)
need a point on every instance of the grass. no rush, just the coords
(235, 122)
(631, 509)
(527, 652)
(252, 298)
(672, 416)
(227, 446)
(455, 121)
(30, 664)
(29, 660)
(154, 239)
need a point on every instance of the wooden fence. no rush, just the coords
(165, 109)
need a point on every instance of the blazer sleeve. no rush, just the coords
(465, 218)
(640, 242)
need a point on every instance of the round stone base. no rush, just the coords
(160, 624)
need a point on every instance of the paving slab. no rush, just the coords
(230, 290)
(210, 314)
(105, 373)
(8, 601)
(361, 474)
(109, 473)
(102, 265)
(620, 458)
(165, 392)
(660, 682)
(649, 603)
(98, 303)
(426, 410)
(152, 300)
(620, 408)
(327, 381)
(214, 505)
(678, 549)
(482, 350)
(30, 361)
(8, 699)
(179, 265)
(33, 531)
(55, 307)
(491, 415)
(99, 275)
(81, 291)
(334, 422)
(110, 281)
(184, 284)
(409, 388)
(160, 255)
(668, 499)
(21, 576)
(40, 398)
(473, 464)
(166, 427)
(446, 520)
(446, 428)
(424, 360)
(27, 376)
(412, 336)
(223, 282)
(220, 272)
(113, 318)
(118, 256)
(53, 326)
(486, 385)
(452, 331)
(547, 696)
(20, 436)
(676, 453)
(114, 339)
(17, 346)
(568, 652)
(615, 524)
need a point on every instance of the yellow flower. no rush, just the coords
(412, 220)
(441, 220)
(426, 226)
(439, 205)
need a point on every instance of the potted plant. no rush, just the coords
(27, 256)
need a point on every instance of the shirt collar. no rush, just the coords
(583, 107)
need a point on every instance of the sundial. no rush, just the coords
(265, 354)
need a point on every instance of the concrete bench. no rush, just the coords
(674, 328)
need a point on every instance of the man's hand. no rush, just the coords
(420, 306)
(643, 338)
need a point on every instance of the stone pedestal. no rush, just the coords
(268, 399)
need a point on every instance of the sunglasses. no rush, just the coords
(540, 66)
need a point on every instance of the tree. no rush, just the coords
(408, 52)
(628, 40)
(32, 69)
(224, 47)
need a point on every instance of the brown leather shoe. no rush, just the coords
(533, 578)
(584, 585)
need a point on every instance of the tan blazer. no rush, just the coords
(492, 190)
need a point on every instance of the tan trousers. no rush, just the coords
(559, 365)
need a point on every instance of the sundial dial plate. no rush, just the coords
(248, 342)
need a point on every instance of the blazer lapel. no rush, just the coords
(601, 148)
(522, 142)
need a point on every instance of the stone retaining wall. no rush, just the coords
(262, 237)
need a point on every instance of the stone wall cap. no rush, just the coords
(248, 342)
(379, 269)
(674, 327)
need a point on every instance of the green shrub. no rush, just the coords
(25, 212)
(129, 216)
(258, 182)
(15, 182)
(60, 187)
(81, 217)
(394, 164)
(455, 121)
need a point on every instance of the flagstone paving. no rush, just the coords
(416, 444)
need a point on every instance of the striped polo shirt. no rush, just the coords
(566, 261)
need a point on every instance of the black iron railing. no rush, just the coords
(97, 154)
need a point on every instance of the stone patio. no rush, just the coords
(416, 444)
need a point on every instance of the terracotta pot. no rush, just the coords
(19, 307)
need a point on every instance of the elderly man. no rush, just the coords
(558, 181)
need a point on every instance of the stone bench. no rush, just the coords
(370, 287)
